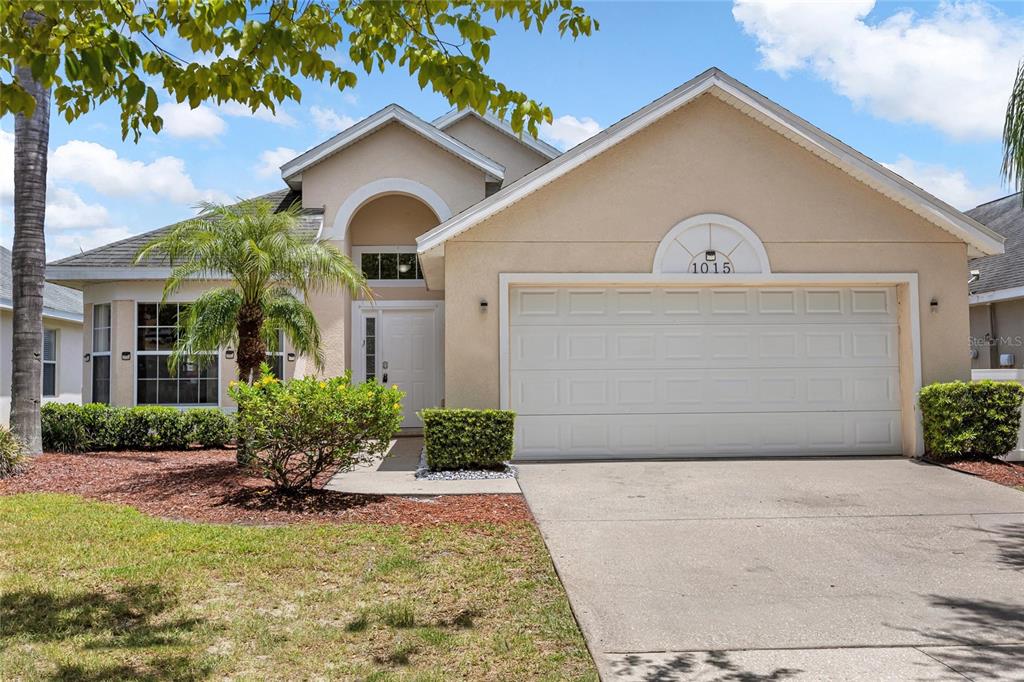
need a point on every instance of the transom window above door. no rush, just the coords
(388, 265)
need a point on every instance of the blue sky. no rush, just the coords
(918, 86)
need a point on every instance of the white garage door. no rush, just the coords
(703, 371)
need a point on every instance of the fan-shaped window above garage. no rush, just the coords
(711, 244)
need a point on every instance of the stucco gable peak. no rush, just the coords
(291, 171)
(714, 81)
(455, 115)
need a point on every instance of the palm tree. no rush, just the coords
(272, 269)
(28, 257)
(1013, 133)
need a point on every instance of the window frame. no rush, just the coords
(103, 353)
(52, 362)
(139, 354)
(357, 259)
(272, 355)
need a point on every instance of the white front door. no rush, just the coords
(402, 346)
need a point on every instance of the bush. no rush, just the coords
(468, 439)
(980, 419)
(95, 427)
(12, 453)
(296, 430)
(209, 427)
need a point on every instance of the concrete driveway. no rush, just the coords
(859, 569)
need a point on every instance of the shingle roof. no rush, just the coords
(1005, 270)
(55, 297)
(121, 254)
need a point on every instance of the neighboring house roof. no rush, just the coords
(58, 301)
(981, 240)
(392, 113)
(117, 260)
(456, 115)
(1001, 276)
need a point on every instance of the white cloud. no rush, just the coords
(952, 186)
(952, 70)
(65, 210)
(271, 161)
(350, 97)
(102, 169)
(330, 121)
(182, 121)
(280, 116)
(68, 244)
(568, 131)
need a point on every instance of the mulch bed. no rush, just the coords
(995, 470)
(207, 486)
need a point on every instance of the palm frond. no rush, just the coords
(284, 311)
(209, 324)
(1013, 133)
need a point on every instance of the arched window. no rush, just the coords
(711, 244)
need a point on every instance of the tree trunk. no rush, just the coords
(252, 351)
(28, 262)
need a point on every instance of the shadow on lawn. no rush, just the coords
(134, 617)
(669, 667)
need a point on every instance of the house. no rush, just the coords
(711, 275)
(62, 341)
(997, 290)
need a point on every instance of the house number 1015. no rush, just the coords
(712, 268)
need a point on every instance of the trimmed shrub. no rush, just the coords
(151, 428)
(100, 426)
(468, 439)
(12, 453)
(63, 429)
(979, 419)
(209, 427)
(296, 430)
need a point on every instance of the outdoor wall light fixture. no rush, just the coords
(229, 353)
(126, 355)
(934, 305)
(483, 305)
(291, 357)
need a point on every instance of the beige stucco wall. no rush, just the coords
(1004, 322)
(124, 297)
(391, 220)
(610, 214)
(516, 157)
(69, 359)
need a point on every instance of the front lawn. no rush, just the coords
(94, 591)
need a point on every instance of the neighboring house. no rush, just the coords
(997, 290)
(711, 275)
(62, 341)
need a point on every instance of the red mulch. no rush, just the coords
(995, 470)
(207, 486)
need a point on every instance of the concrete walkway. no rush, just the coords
(842, 569)
(395, 474)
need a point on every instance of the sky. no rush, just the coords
(920, 87)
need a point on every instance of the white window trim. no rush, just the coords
(362, 309)
(54, 362)
(507, 280)
(357, 260)
(102, 353)
(140, 353)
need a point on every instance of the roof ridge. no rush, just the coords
(992, 201)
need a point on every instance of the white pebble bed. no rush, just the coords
(423, 473)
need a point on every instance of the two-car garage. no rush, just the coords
(690, 371)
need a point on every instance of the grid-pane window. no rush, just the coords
(275, 356)
(193, 381)
(49, 362)
(101, 353)
(389, 265)
(370, 339)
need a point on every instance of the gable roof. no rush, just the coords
(455, 115)
(1005, 270)
(58, 301)
(103, 261)
(980, 239)
(392, 113)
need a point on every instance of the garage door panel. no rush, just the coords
(704, 390)
(669, 347)
(708, 435)
(723, 305)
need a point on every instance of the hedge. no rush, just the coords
(971, 420)
(93, 428)
(468, 439)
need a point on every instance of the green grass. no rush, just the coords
(94, 591)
